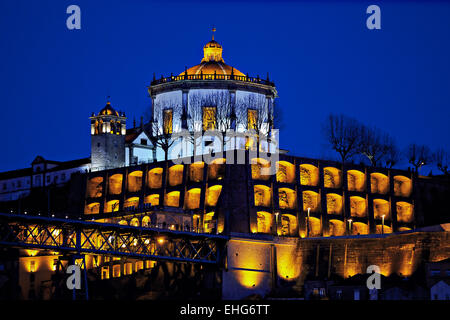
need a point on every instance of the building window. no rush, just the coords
(168, 121)
(144, 142)
(209, 118)
(252, 119)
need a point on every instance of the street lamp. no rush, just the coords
(382, 224)
(349, 226)
(307, 224)
(276, 222)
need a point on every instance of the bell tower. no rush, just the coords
(108, 131)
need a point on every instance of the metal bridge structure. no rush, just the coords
(80, 237)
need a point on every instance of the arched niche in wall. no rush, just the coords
(336, 228)
(356, 180)
(285, 172)
(288, 225)
(263, 196)
(135, 181)
(134, 222)
(287, 198)
(196, 171)
(405, 212)
(172, 199)
(334, 203)
(379, 183)
(402, 186)
(95, 187)
(309, 175)
(360, 228)
(311, 200)
(154, 178)
(381, 208)
(112, 206)
(152, 199)
(314, 226)
(212, 195)
(92, 208)
(332, 177)
(115, 183)
(264, 222)
(358, 207)
(216, 169)
(131, 202)
(260, 169)
(192, 198)
(380, 229)
(176, 175)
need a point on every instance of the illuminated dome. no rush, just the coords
(212, 62)
(108, 110)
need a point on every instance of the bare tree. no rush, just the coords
(160, 135)
(343, 135)
(374, 144)
(418, 155)
(393, 155)
(441, 159)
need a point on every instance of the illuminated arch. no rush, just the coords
(311, 200)
(134, 222)
(379, 183)
(216, 169)
(260, 169)
(336, 228)
(264, 222)
(92, 208)
(356, 180)
(192, 200)
(95, 187)
(196, 171)
(172, 199)
(135, 181)
(402, 186)
(358, 207)
(288, 225)
(285, 172)
(309, 175)
(405, 212)
(152, 199)
(154, 178)
(131, 202)
(123, 222)
(176, 175)
(112, 206)
(287, 198)
(212, 195)
(115, 183)
(208, 222)
(334, 203)
(314, 226)
(332, 177)
(381, 208)
(263, 196)
(380, 229)
(360, 228)
(146, 221)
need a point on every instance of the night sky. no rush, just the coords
(320, 54)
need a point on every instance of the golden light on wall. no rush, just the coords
(134, 222)
(152, 199)
(289, 263)
(112, 206)
(123, 222)
(309, 175)
(135, 181)
(116, 271)
(92, 208)
(379, 183)
(208, 223)
(154, 178)
(31, 253)
(131, 202)
(192, 198)
(260, 169)
(356, 180)
(146, 221)
(405, 212)
(311, 200)
(95, 187)
(332, 177)
(285, 172)
(216, 169)
(334, 203)
(403, 229)
(172, 199)
(402, 186)
(176, 175)
(359, 228)
(288, 225)
(264, 222)
(168, 121)
(249, 279)
(212, 195)
(287, 198)
(381, 208)
(315, 226)
(380, 229)
(336, 228)
(358, 207)
(115, 184)
(196, 171)
(263, 195)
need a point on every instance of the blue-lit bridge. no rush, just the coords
(87, 237)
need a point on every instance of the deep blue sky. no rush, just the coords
(320, 54)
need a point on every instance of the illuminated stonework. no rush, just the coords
(95, 188)
(260, 169)
(358, 207)
(216, 170)
(381, 208)
(115, 183)
(176, 175)
(286, 172)
(135, 181)
(152, 199)
(154, 178)
(309, 175)
(264, 222)
(263, 196)
(334, 203)
(196, 171)
(311, 200)
(192, 200)
(402, 186)
(172, 199)
(379, 183)
(287, 198)
(405, 212)
(336, 228)
(212, 195)
(332, 177)
(356, 180)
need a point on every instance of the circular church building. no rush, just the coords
(212, 96)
